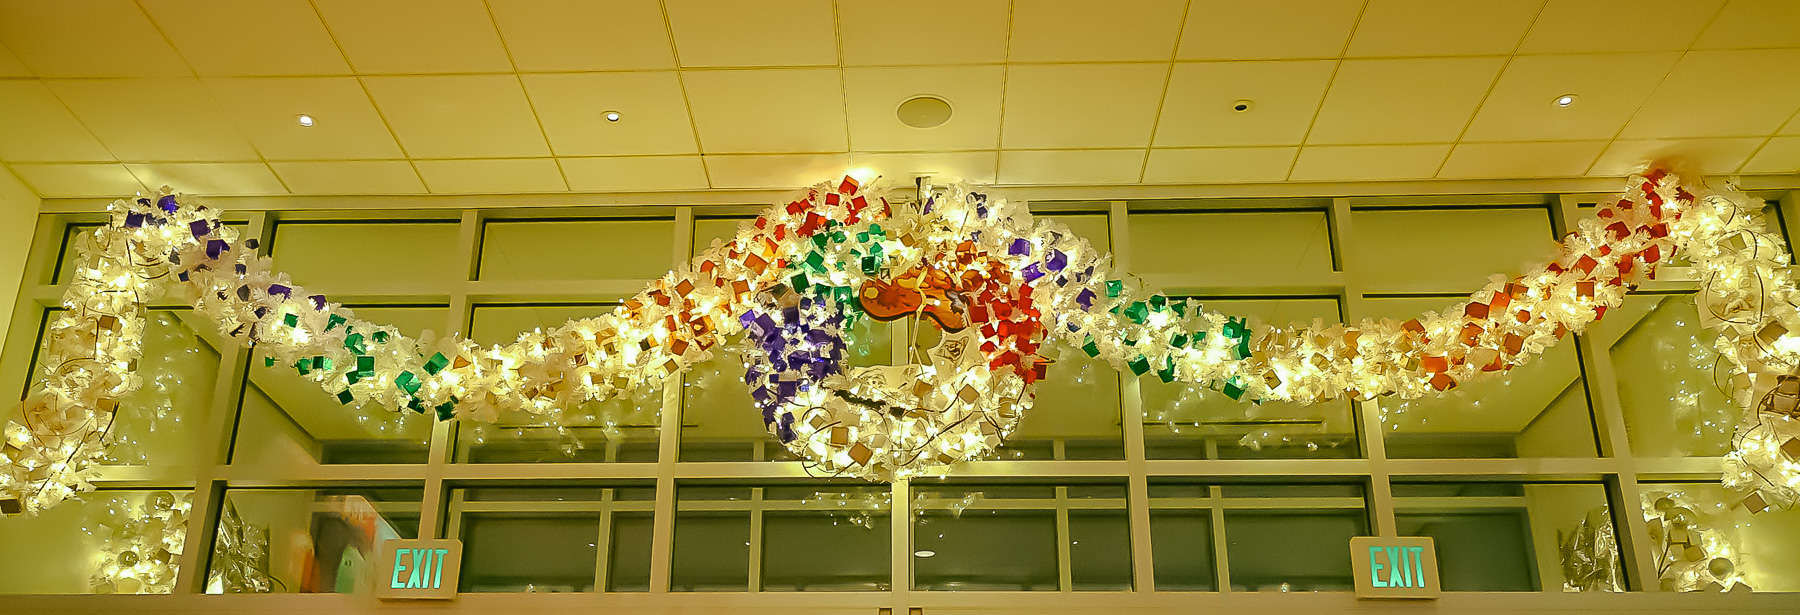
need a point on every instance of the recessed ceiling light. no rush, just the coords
(1242, 105)
(1564, 101)
(924, 112)
(305, 120)
(924, 553)
(612, 116)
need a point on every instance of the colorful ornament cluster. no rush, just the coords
(999, 283)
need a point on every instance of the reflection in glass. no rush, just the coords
(1764, 548)
(1291, 537)
(544, 250)
(1007, 538)
(317, 540)
(550, 539)
(1666, 370)
(314, 254)
(826, 537)
(123, 542)
(1498, 536)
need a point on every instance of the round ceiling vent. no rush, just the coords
(924, 112)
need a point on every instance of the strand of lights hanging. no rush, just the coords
(996, 280)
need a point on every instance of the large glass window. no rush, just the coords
(306, 540)
(553, 539)
(1503, 536)
(1021, 537)
(1291, 537)
(110, 542)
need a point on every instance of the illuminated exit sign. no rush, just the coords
(418, 569)
(1390, 567)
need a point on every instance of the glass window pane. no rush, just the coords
(1292, 537)
(1228, 248)
(1182, 546)
(1100, 550)
(629, 563)
(1005, 537)
(1500, 536)
(576, 249)
(549, 539)
(1537, 410)
(123, 542)
(826, 538)
(306, 540)
(1666, 366)
(66, 256)
(338, 256)
(1451, 251)
(286, 419)
(1189, 421)
(621, 429)
(1763, 549)
(712, 540)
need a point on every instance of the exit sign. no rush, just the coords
(1394, 567)
(418, 569)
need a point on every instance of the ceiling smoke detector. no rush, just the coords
(924, 112)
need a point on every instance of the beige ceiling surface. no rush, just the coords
(103, 97)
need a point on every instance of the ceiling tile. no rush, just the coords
(1625, 157)
(771, 110)
(271, 37)
(491, 176)
(210, 178)
(1368, 162)
(10, 66)
(868, 29)
(1438, 28)
(345, 124)
(1219, 165)
(154, 119)
(764, 33)
(461, 116)
(1608, 88)
(634, 173)
(1574, 26)
(653, 116)
(416, 36)
(38, 127)
(1088, 31)
(1198, 108)
(78, 180)
(1722, 94)
(1542, 159)
(876, 93)
(562, 35)
(1781, 155)
(1402, 101)
(943, 167)
(1234, 29)
(350, 177)
(86, 38)
(1753, 23)
(774, 171)
(1116, 166)
(1081, 105)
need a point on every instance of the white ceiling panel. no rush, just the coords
(634, 173)
(973, 167)
(10, 66)
(762, 33)
(1081, 105)
(268, 37)
(350, 177)
(415, 36)
(1608, 88)
(1368, 162)
(78, 180)
(1219, 165)
(1234, 29)
(1753, 23)
(459, 116)
(1439, 28)
(876, 93)
(267, 110)
(772, 110)
(931, 31)
(774, 171)
(477, 176)
(210, 178)
(1540, 159)
(1625, 157)
(1780, 155)
(1402, 101)
(1088, 31)
(569, 35)
(86, 38)
(154, 119)
(1199, 108)
(572, 107)
(1116, 166)
(37, 127)
(1722, 94)
(1575, 26)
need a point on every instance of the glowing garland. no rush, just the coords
(170, 244)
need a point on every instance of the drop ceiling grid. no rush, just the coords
(1134, 17)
